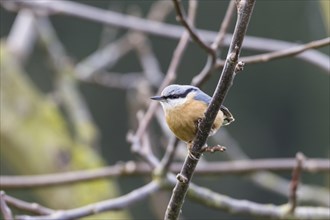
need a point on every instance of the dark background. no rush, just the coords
(281, 107)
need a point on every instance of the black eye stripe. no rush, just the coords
(182, 95)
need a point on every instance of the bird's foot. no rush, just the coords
(191, 155)
(213, 149)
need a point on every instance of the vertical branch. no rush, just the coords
(245, 8)
(296, 173)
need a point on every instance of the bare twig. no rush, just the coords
(151, 67)
(181, 17)
(173, 143)
(209, 67)
(5, 210)
(111, 204)
(144, 150)
(199, 194)
(103, 58)
(168, 157)
(292, 51)
(109, 55)
(224, 26)
(148, 60)
(115, 80)
(160, 29)
(245, 9)
(130, 168)
(264, 211)
(296, 173)
(273, 182)
(169, 77)
(22, 36)
(85, 130)
(31, 207)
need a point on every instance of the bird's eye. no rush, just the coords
(173, 96)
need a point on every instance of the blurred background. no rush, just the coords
(281, 107)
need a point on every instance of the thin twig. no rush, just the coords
(244, 207)
(181, 17)
(245, 9)
(157, 28)
(292, 51)
(144, 150)
(115, 80)
(73, 102)
(103, 58)
(209, 67)
(22, 36)
(91, 209)
(296, 173)
(173, 143)
(130, 168)
(224, 25)
(26, 206)
(169, 77)
(5, 210)
(272, 182)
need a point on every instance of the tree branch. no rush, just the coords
(210, 65)
(245, 9)
(111, 204)
(157, 28)
(31, 207)
(169, 77)
(192, 33)
(312, 165)
(224, 26)
(263, 211)
(292, 51)
(270, 181)
(5, 210)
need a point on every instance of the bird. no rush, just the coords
(184, 107)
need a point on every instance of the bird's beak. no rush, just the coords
(157, 98)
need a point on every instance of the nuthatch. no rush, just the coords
(184, 107)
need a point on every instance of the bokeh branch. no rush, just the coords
(112, 204)
(263, 211)
(142, 169)
(181, 17)
(5, 210)
(22, 205)
(289, 52)
(156, 28)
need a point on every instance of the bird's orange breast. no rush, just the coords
(183, 119)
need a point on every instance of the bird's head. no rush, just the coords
(175, 95)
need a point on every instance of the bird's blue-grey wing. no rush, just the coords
(201, 96)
